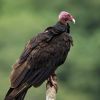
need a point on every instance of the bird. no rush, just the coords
(42, 55)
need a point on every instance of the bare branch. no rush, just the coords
(51, 88)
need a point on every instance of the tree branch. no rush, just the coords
(51, 88)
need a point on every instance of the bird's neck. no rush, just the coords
(62, 22)
(60, 27)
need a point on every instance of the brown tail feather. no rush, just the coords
(18, 97)
(17, 93)
(9, 91)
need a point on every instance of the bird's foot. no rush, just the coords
(52, 81)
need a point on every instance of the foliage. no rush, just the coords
(22, 19)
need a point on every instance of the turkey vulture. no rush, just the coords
(41, 57)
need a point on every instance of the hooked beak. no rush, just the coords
(73, 20)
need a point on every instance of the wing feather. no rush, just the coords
(22, 66)
(39, 59)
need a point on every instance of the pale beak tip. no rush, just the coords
(73, 20)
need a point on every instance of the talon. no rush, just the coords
(52, 82)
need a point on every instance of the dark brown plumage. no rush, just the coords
(40, 58)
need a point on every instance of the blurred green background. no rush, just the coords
(20, 20)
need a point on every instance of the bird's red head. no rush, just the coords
(65, 17)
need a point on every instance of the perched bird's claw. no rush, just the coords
(52, 82)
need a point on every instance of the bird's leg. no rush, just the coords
(52, 82)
